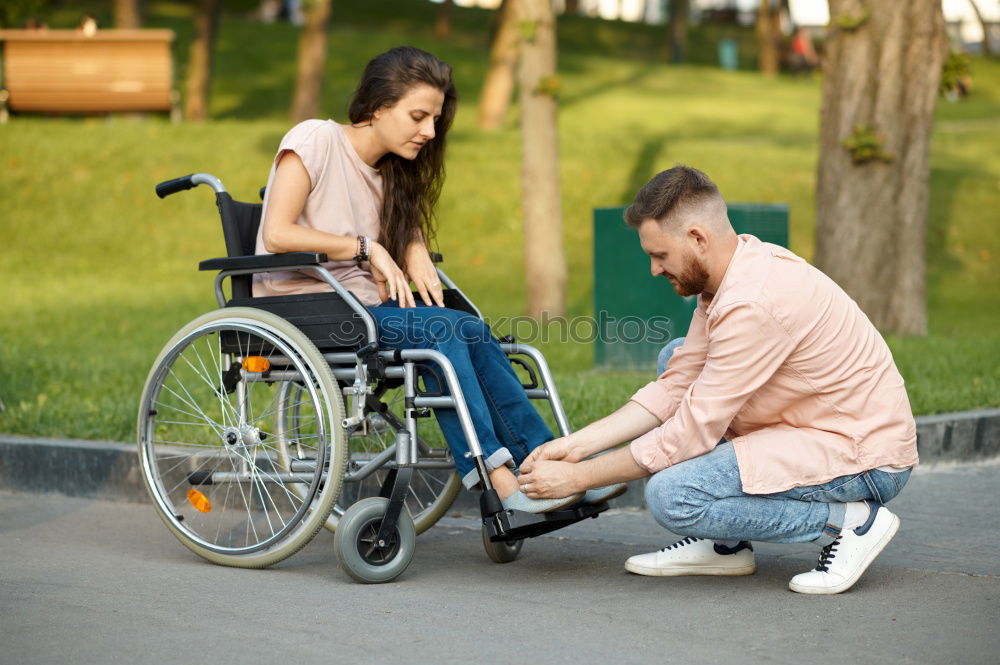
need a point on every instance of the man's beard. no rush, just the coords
(692, 279)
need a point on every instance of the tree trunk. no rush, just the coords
(881, 74)
(128, 14)
(768, 30)
(499, 84)
(442, 23)
(572, 7)
(199, 83)
(677, 29)
(545, 262)
(312, 60)
(986, 28)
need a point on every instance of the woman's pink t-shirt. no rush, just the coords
(345, 199)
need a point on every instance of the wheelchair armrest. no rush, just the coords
(263, 262)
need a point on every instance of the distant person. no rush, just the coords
(804, 59)
(364, 193)
(781, 364)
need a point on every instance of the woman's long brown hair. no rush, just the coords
(410, 187)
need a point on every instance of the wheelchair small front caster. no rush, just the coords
(501, 552)
(360, 555)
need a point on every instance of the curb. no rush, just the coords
(109, 470)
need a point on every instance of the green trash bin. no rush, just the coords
(637, 314)
(729, 54)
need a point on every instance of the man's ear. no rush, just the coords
(698, 236)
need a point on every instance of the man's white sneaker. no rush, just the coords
(695, 556)
(842, 562)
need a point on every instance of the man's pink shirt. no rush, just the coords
(783, 363)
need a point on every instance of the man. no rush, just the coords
(784, 367)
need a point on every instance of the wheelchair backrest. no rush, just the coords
(240, 222)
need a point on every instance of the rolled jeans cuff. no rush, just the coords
(501, 457)
(834, 523)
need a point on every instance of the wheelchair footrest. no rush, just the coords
(511, 525)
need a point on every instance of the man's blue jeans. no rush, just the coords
(703, 497)
(506, 423)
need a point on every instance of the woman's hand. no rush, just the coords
(388, 276)
(423, 274)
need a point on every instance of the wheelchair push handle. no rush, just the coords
(168, 187)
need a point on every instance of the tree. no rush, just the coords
(544, 259)
(499, 84)
(881, 75)
(986, 28)
(128, 14)
(199, 85)
(312, 60)
(768, 28)
(442, 22)
(677, 29)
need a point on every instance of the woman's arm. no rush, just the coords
(286, 200)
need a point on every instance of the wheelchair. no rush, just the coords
(271, 418)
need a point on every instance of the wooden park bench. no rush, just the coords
(63, 71)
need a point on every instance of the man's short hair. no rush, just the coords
(674, 190)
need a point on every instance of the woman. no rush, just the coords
(364, 194)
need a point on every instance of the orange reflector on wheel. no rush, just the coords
(199, 501)
(256, 364)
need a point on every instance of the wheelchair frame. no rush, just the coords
(374, 535)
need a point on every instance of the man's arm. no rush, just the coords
(623, 425)
(549, 479)
(748, 347)
(648, 408)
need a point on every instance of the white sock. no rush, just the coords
(728, 543)
(855, 515)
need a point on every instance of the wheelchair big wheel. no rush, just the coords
(431, 492)
(219, 474)
(360, 553)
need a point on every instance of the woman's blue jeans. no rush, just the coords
(703, 497)
(506, 423)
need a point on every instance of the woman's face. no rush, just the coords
(404, 128)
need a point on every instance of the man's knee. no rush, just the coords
(665, 353)
(673, 501)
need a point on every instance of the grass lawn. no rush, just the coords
(100, 272)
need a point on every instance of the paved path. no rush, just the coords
(98, 582)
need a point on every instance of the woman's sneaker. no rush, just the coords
(695, 556)
(842, 562)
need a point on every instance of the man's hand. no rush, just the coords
(550, 480)
(562, 450)
(420, 269)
